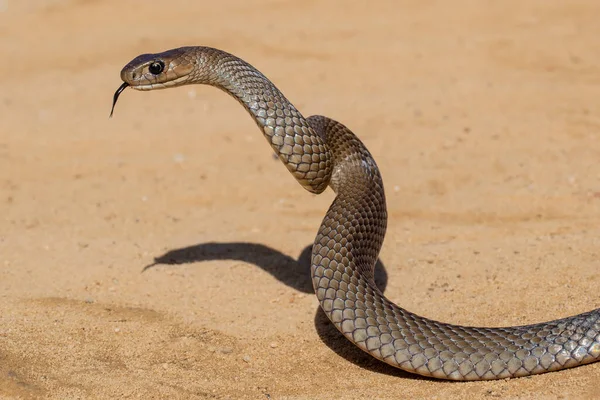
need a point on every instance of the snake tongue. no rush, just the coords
(116, 97)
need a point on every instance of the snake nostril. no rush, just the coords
(134, 75)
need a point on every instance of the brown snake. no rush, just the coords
(320, 152)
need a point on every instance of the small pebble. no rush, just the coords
(273, 345)
(246, 359)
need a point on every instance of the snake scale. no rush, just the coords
(320, 152)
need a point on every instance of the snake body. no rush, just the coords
(320, 152)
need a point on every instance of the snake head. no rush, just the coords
(156, 71)
(159, 71)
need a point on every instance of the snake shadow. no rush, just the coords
(293, 273)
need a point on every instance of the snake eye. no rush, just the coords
(156, 67)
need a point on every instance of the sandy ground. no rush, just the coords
(483, 116)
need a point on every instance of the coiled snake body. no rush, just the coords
(320, 152)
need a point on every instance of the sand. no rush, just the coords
(483, 117)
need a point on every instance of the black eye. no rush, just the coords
(156, 67)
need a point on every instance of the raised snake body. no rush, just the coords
(320, 152)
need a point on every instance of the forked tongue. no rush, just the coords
(116, 97)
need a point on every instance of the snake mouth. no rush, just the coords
(116, 97)
(154, 85)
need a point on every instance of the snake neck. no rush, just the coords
(297, 145)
